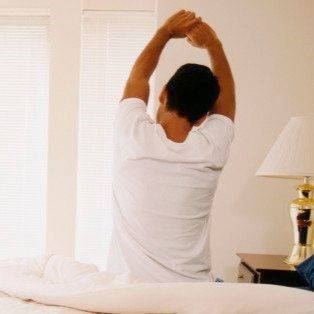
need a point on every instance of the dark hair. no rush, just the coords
(192, 91)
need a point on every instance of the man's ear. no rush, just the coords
(163, 96)
(200, 121)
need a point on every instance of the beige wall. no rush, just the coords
(270, 47)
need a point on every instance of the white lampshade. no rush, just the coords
(292, 155)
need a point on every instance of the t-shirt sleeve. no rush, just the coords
(218, 130)
(131, 122)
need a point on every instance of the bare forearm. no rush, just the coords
(177, 26)
(147, 61)
(221, 68)
(219, 62)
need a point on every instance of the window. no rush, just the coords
(111, 40)
(24, 72)
(110, 43)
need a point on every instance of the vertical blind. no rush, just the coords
(111, 41)
(24, 71)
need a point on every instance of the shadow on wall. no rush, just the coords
(249, 225)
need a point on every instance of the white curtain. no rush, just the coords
(24, 68)
(111, 41)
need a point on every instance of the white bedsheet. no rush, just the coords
(54, 280)
(9, 305)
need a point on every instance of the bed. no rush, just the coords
(10, 305)
(54, 284)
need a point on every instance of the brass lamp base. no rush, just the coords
(299, 254)
(302, 218)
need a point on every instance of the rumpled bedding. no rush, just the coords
(56, 280)
(306, 270)
(9, 305)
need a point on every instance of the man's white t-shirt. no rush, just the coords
(162, 195)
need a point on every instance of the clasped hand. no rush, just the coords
(186, 24)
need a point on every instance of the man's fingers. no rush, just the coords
(180, 12)
(191, 42)
(188, 15)
(213, 33)
(202, 28)
(191, 14)
(198, 26)
(184, 13)
(205, 25)
(193, 24)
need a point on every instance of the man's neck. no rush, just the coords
(175, 127)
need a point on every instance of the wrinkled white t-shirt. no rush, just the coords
(162, 195)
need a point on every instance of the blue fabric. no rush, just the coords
(306, 270)
(219, 280)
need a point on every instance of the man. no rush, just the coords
(166, 171)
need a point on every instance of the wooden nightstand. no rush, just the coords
(268, 269)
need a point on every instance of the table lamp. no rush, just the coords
(292, 157)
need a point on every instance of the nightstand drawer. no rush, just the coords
(268, 269)
(245, 274)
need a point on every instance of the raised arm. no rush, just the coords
(176, 26)
(203, 36)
